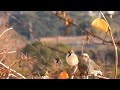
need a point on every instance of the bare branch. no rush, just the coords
(102, 77)
(5, 31)
(115, 47)
(7, 52)
(98, 76)
(13, 76)
(12, 70)
(8, 75)
(83, 30)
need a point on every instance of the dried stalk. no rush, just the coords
(7, 52)
(5, 31)
(115, 47)
(12, 70)
(8, 75)
(76, 67)
(83, 47)
(13, 75)
(103, 77)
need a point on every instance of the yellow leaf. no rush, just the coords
(66, 23)
(100, 24)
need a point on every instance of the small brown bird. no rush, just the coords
(56, 65)
(87, 66)
(71, 58)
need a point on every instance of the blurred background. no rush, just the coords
(31, 26)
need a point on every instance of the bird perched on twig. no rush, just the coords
(87, 66)
(72, 59)
(56, 64)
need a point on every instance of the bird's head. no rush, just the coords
(85, 56)
(70, 51)
(57, 60)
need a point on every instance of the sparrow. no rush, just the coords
(56, 65)
(71, 58)
(87, 66)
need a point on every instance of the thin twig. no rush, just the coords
(115, 47)
(99, 43)
(4, 56)
(7, 52)
(83, 47)
(98, 76)
(76, 67)
(5, 31)
(8, 75)
(6, 36)
(102, 77)
(13, 76)
(12, 70)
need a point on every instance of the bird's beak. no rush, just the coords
(69, 53)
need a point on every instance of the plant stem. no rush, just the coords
(76, 67)
(115, 47)
(12, 70)
(5, 31)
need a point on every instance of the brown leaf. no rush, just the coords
(67, 30)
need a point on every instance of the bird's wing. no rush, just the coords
(83, 67)
(72, 59)
(95, 66)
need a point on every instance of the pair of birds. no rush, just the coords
(85, 65)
